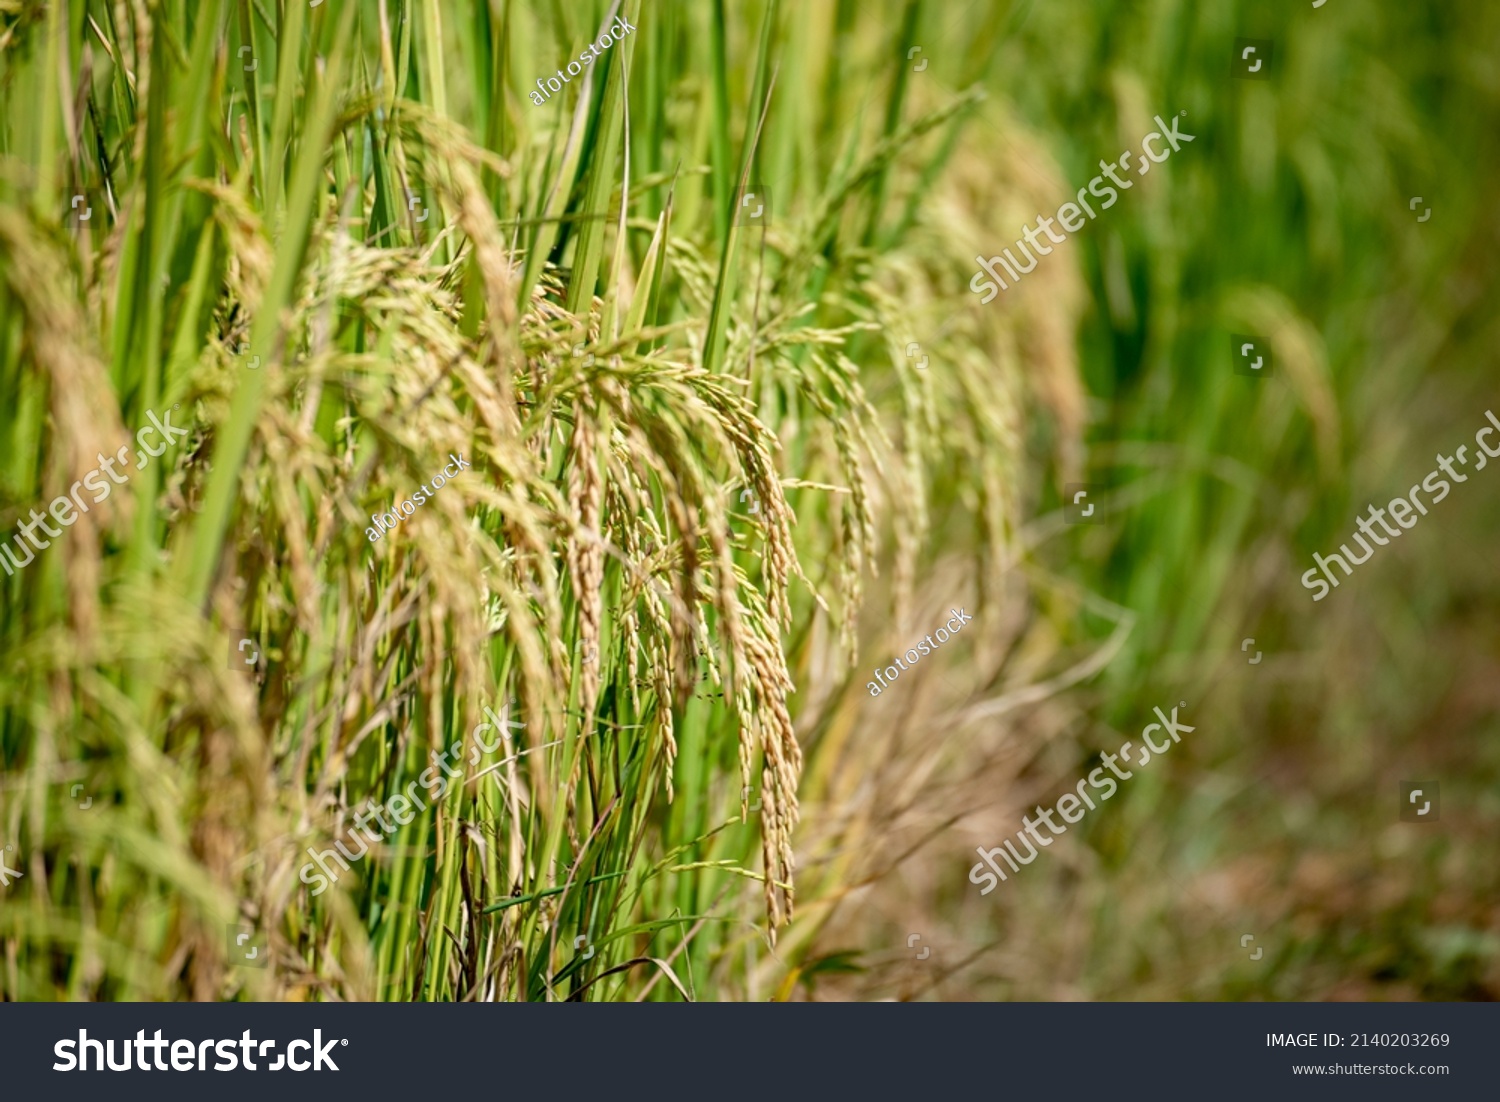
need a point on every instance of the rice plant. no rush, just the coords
(345, 247)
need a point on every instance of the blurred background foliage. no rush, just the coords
(711, 486)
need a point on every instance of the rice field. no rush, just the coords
(727, 426)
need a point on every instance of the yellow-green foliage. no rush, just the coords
(709, 489)
(363, 255)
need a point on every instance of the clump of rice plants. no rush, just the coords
(346, 247)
